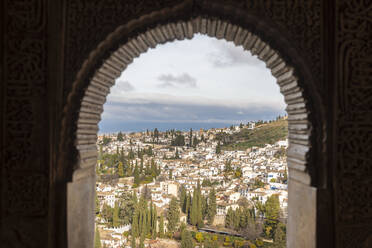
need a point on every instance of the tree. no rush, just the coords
(97, 239)
(178, 141)
(161, 227)
(97, 204)
(183, 198)
(156, 135)
(146, 193)
(120, 137)
(186, 239)
(170, 174)
(173, 215)
(196, 214)
(190, 138)
(142, 240)
(229, 218)
(107, 213)
(105, 140)
(238, 173)
(285, 177)
(218, 148)
(115, 215)
(177, 155)
(271, 210)
(195, 141)
(136, 176)
(121, 172)
(188, 205)
(126, 206)
(212, 206)
(228, 167)
(153, 220)
(280, 236)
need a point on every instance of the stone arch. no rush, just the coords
(104, 78)
(118, 51)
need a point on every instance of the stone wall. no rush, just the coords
(51, 50)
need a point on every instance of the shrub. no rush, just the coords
(259, 242)
(199, 237)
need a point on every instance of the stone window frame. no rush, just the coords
(303, 183)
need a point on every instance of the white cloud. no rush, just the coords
(124, 86)
(170, 80)
(226, 54)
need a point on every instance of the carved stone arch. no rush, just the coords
(113, 55)
(111, 68)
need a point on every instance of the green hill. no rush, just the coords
(267, 133)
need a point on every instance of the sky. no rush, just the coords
(197, 83)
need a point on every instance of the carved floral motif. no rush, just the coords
(24, 182)
(354, 171)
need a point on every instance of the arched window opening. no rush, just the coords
(205, 117)
(80, 191)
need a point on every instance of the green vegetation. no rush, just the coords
(243, 220)
(122, 165)
(173, 215)
(186, 239)
(97, 239)
(212, 206)
(267, 133)
(196, 214)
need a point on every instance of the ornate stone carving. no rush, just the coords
(354, 174)
(299, 21)
(354, 117)
(24, 182)
(28, 195)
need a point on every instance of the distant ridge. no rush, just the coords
(266, 133)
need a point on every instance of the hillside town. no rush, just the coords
(161, 166)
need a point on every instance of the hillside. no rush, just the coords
(268, 133)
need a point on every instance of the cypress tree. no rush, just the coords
(204, 201)
(120, 137)
(121, 172)
(97, 203)
(115, 216)
(142, 239)
(170, 174)
(141, 167)
(194, 209)
(136, 176)
(173, 215)
(199, 207)
(218, 148)
(183, 198)
(190, 138)
(97, 239)
(229, 218)
(153, 221)
(154, 170)
(188, 205)
(161, 227)
(186, 239)
(177, 156)
(237, 218)
(212, 206)
(133, 241)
